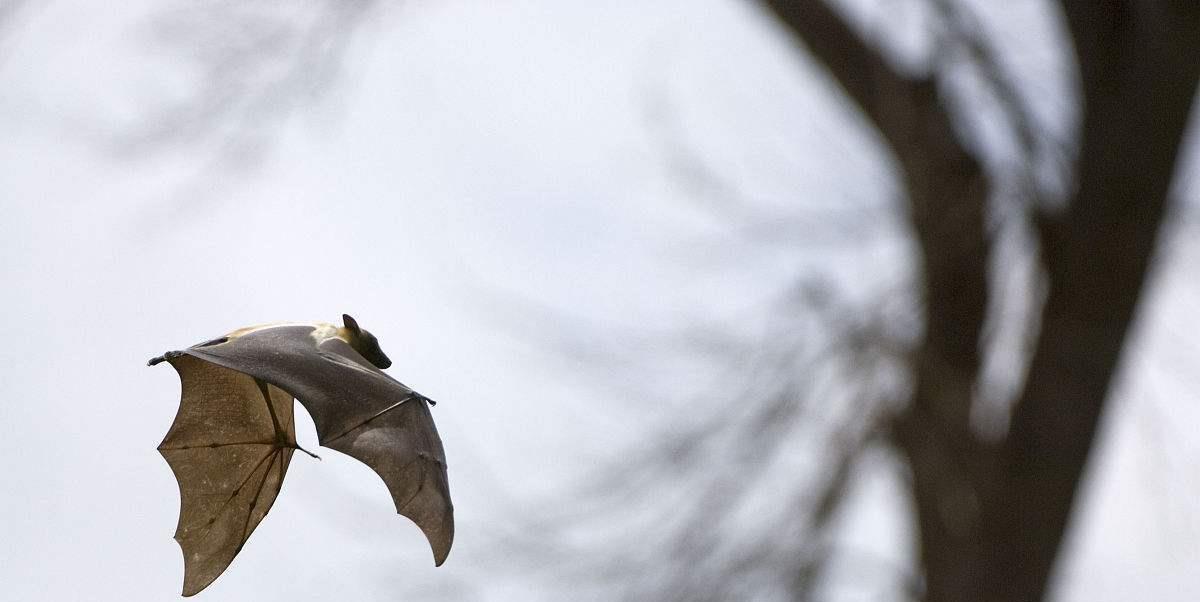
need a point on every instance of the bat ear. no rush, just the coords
(351, 324)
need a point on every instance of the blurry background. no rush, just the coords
(700, 325)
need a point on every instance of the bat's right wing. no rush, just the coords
(402, 446)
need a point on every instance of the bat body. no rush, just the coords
(232, 441)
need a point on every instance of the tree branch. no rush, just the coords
(946, 186)
(948, 193)
(964, 30)
(860, 69)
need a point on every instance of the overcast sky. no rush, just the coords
(470, 162)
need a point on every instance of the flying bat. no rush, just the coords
(234, 435)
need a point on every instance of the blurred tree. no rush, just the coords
(992, 512)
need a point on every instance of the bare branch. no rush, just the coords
(964, 31)
(860, 69)
(255, 63)
(685, 492)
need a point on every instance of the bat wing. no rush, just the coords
(229, 449)
(358, 410)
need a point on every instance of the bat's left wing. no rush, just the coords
(229, 448)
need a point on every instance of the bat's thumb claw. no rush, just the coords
(154, 361)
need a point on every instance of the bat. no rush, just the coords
(233, 437)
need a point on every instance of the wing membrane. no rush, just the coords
(229, 461)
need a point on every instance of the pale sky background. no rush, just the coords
(471, 157)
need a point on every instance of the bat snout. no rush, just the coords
(383, 362)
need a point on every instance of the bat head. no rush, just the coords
(365, 343)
